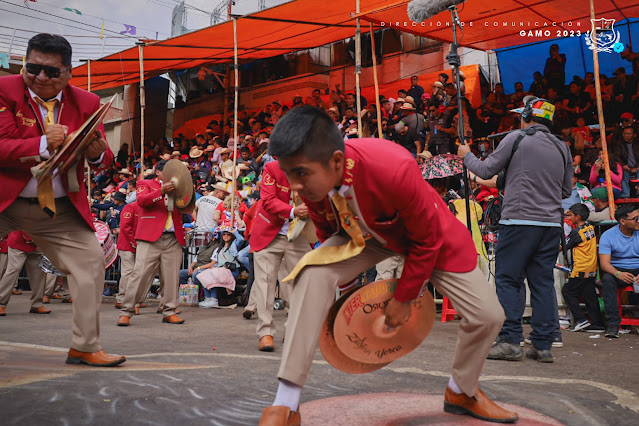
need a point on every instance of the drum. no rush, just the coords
(47, 266)
(103, 234)
(198, 237)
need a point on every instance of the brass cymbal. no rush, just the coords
(332, 354)
(175, 171)
(360, 332)
(189, 207)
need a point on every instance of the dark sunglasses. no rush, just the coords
(51, 72)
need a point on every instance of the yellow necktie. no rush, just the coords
(169, 221)
(328, 255)
(45, 186)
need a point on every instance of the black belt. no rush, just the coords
(586, 275)
(34, 200)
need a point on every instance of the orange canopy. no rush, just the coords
(496, 24)
(304, 24)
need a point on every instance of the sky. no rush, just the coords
(81, 22)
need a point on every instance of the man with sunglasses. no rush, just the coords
(37, 110)
(619, 262)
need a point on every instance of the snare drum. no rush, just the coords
(103, 234)
(47, 266)
(198, 238)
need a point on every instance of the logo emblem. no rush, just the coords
(607, 39)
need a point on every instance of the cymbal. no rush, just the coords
(360, 332)
(189, 207)
(176, 172)
(332, 354)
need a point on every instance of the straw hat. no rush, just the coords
(220, 186)
(177, 154)
(225, 151)
(438, 84)
(425, 154)
(209, 148)
(410, 100)
(407, 106)
(195, 152)
(165, 157)
(125, 172)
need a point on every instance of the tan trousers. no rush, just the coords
(18, 258)
(165, 252)
(127, 263)
(4, 258)
(276, 260)
(390, 268)
(75, 251)
(314, 293)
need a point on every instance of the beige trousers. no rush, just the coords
(314, 293)
(390, 268)
(18, 258)
(4, 258)
(74, 250)
(165, 252)
(273, 262)
(127, 263)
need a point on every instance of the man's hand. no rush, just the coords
(301, 211)
(462, 150)
(167, 188)
(397, 313)
(56, 134)
(626, 277)
(96, 148)
(626, 168)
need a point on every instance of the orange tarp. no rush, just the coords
(304, 24)
(496, 24)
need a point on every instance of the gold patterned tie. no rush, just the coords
(169, 221)
(45, 186)
(328, 255)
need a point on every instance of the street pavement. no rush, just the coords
(209, 371)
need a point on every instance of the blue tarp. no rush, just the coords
(518, 63)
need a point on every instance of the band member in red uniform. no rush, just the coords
(37, 110)
(129, 217)
(159, 239)
(364, 214)
(22, 251)
(273, 251)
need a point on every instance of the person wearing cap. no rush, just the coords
(599, 200)
(437, 140)
(118, 201)
(364, 214)
(22, 251)
(409, 129)
(159, 240)
(531, 226)
(206, 205)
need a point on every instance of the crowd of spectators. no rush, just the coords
(423, 118)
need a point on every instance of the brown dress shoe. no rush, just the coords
(172, 319)
(3, 312)
(479, 406)
(16, 292)
(137, 310)
(40, 310)
(45, 299)
(96, 359)
(56, 296)
(143, 305)
(123, 321)
(266, 344)
(118, 306)
(280, 416)
(67, 300)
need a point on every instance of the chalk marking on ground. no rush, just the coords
(625, 398)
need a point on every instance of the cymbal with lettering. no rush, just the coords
(331, 352)
(360, 332)
(175, 171)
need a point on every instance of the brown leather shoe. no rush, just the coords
(137, 310)
(123, 321)
(266, 344)
(3, 312)
(96, 359)
(45, 299)
(177, 311)
(67, 300)
(143, 305)
(172, 319)
(118, 306)
(16, 292)
(40, 310)
(56, 296)
(479, 406)
(279, 415)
